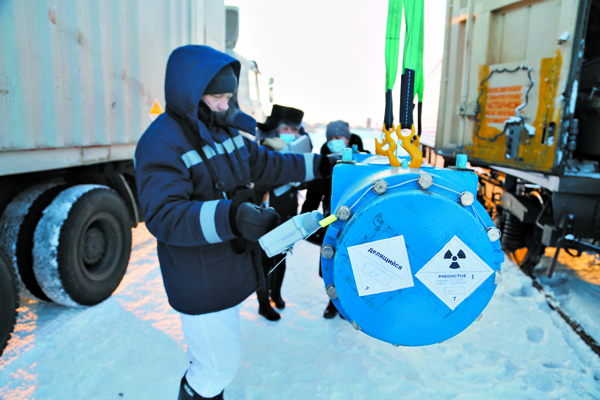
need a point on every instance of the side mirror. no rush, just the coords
(271, 80)
(232, 26)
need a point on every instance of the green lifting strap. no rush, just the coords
(392, 53)
(413, 42)
(412, 82)
(412, 63)
(392, 42)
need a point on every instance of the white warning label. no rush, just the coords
(454, 273)
(381, 266)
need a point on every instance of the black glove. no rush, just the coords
(251, 221)
(327, 163)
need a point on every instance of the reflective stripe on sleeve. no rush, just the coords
(308, 163)
(207, 221)
(191, 158)
(209, 152)
(228, 145)
(239, 141)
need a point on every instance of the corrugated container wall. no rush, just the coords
(78, 78)
(505, 61)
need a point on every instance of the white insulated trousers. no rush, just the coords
(214, 348)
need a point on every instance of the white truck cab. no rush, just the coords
(248, 89)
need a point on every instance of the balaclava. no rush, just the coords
(224, 81)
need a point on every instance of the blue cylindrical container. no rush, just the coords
(413, 258)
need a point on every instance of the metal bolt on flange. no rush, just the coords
(379, 186)
(498, 277)
(493, 233)
(424, 181)
(331, 292)
(327, 251)
(344, 213)
(355, 326)
(466, 198)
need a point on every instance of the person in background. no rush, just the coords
(280, 129)
(318, 191)
(193, 173)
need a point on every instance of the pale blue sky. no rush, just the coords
(327, 56)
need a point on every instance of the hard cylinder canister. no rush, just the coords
(411, 265)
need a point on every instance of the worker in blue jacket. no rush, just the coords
(193, 170)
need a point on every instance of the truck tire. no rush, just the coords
(82, 245)
(17, 227)
(9, 301)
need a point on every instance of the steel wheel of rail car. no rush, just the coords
(82, 245)
(18, 225)
(522, 243)
(527, 258)
(9, 301)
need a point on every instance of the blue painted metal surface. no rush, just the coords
(427, 219)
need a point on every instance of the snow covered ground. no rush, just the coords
(131, 346)
(575, 286)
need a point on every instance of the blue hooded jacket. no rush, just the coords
(183, 209)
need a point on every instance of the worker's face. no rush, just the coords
(344, 138)
(218, 102)
(287, 133)
(287, 129)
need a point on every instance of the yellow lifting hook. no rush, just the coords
(391, 150)
(416, 157)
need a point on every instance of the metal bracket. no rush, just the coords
(513, 139)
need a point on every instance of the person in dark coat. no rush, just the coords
(193, 171)
(281, 128)
(318, 191)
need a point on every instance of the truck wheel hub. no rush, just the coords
(94, 246)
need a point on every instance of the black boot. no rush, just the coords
(187, 393)
(264, 306)
(277, 282)
(330, 310)
(279, 303)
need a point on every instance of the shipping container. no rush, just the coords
(78, 79)
(520, 96)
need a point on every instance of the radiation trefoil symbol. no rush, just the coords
(454, 273)
(460, 254)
